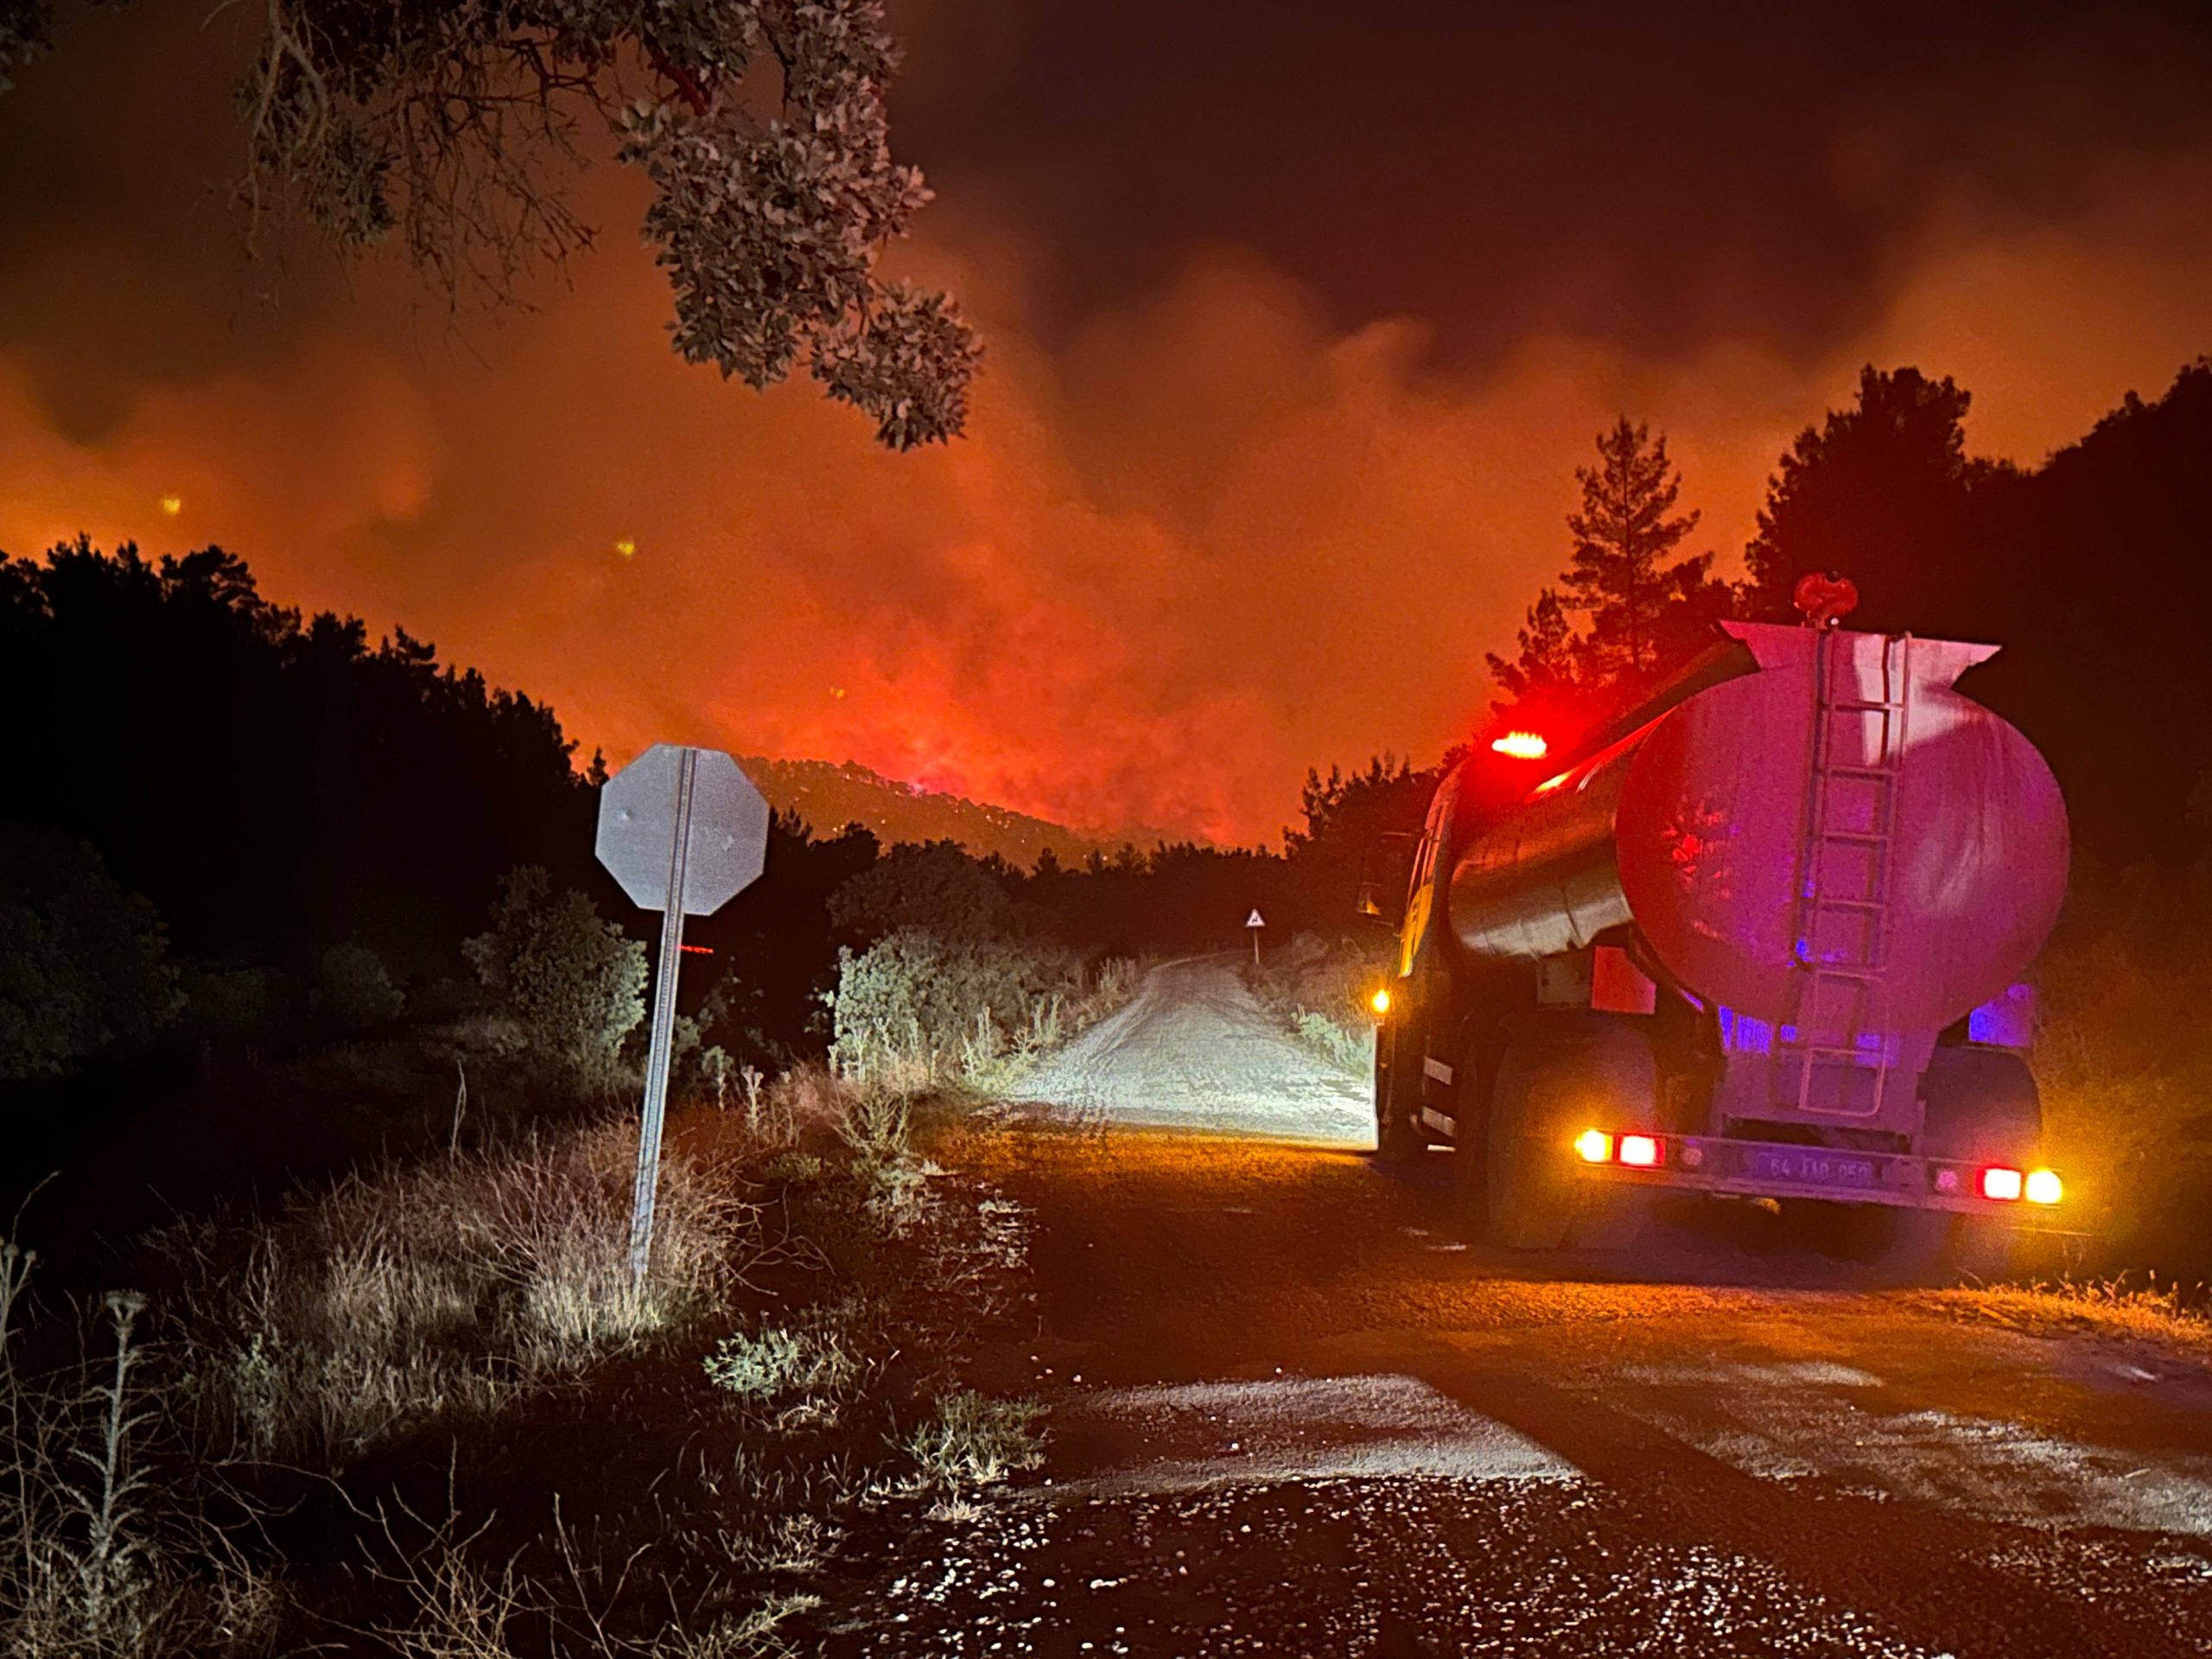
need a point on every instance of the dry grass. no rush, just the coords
(440, 1292)
(103, 1550)
(2111, 1307)
(971, 1439)
(419, 1304)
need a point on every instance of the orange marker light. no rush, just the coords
(1594, 1147)
(1521, 745)
(1640, 1151)
(1381, 1000)
(2045, 1187)
(2003, 1184)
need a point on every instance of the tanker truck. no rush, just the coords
(1761, 938)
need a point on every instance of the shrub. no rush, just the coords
(253, 1004)
(357, 994)
(573, 983)
(1318, 990)
(913, 1008)
(794, 1168)
(82, 965)
(776, 1361)
(1349, 1044)
(972, 1439)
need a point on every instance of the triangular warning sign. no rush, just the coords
(1253, 920)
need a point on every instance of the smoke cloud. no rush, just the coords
(1207, 530)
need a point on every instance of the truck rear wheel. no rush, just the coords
(1556, 1076)
(1398, 1139)
(1526, 1201)
(1983, 1106)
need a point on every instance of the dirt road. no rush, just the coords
(1193, 1050)
(1293, 1412)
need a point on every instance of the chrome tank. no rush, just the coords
(1938, 830)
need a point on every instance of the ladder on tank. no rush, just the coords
(1842, 933)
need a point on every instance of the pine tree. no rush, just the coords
(1643, 607)
(1643, 602)
(1548, 669)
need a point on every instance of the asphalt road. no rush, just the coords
(1293, 1412)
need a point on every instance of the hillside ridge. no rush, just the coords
(828, 795)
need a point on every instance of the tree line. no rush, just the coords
(261, 790)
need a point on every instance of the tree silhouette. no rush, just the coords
(1644, 607)
(1547, 671)
(274, 786)
(1643, 601)
(1880, 492)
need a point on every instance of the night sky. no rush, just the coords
(1299, 318)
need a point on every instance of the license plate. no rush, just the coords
(1810, 1166)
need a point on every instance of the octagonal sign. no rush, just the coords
(702, 790)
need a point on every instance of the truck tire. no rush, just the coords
(1983, 1106)
(1556, 1075)
(1398, 1139)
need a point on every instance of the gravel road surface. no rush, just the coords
(1293, 1412)
(1194, 1050)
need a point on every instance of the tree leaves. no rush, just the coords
(761, 124)
(26, 30)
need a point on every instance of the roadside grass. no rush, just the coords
(437, 1292)
(425, 1411)
(1317, 990)
(103, 1550)
(971, 1439)
(2108, 1307)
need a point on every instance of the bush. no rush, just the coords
(357, 994)
(1318, 990)
(915, 1008)
(572, 983)
(778, 1362)
(81, 960)
(252, 1004)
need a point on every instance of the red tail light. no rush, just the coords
(2001, 1184)
(1640, 1151)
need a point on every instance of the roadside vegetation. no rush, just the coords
(1319, 989)
(2120, 1307)
(2124, 1055)
(961, 982)
(426, 1411)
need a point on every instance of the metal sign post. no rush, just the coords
(682, 831)
(1254, 924)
